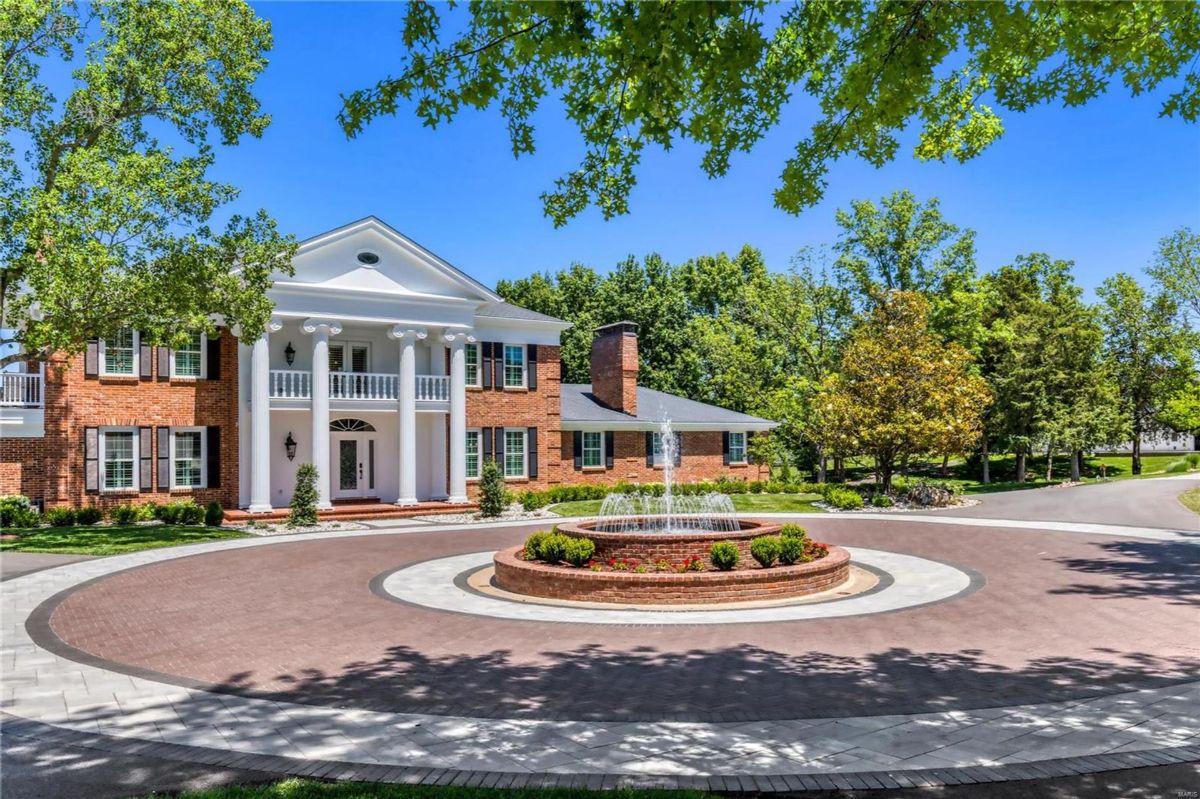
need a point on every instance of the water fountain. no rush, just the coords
(655, 548)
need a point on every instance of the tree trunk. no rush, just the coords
(1049, 463)
(945, 466)
(1076, 461)
(987, 463)
(820, 464)
(839, 467)
(1021, 466)
(885, 476)
(1137, 449)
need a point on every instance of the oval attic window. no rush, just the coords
(368, 258)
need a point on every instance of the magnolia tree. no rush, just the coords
(902, 392)
(105, 200)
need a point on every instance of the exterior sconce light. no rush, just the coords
(289, 354)
(290, 446)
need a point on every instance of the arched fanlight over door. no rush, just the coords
(350, 426)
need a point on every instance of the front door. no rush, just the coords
(353, 465)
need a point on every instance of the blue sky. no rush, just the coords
(1098, 185)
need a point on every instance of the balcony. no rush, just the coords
(20, 390)
(294, 384)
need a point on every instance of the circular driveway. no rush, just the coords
(1076, 642)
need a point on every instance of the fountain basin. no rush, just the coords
(670, 588)
(650, 547)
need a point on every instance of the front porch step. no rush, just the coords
(357, 511)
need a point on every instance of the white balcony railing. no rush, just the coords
(297, 384)
(21, 389)
(290, 384)
(433, 388)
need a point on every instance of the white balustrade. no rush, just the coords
(290, 384)
(297, 384)
(433, 388)
(21, 389)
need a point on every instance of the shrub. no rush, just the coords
(765, 550)
(724, 555)
(188, 512)
(1177, 467)
(125, 514)
(147, 512)
(843, 498)
(60, 517)
(793, 531)
(1193, 460)
(553, 547)
(214, 514)
(89, 514)
(791, 549)
(492, 494)
(533, 544)
(578, 551)
(304, 497)
(10, 506)
(533, 500)
(882, 501)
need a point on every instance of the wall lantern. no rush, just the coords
(289, 354)
(290, 446)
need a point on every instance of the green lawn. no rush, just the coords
(747, 503)
(1191, 499)
(1003, 470)
(114, 540)
(308, 789)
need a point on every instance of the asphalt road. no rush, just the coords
(1152, 502)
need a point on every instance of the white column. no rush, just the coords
(260, 423)
(437, 443)
(458, 339)
(245, 366)
(321, 330)
(408, 338)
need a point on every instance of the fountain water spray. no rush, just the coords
(641, 511)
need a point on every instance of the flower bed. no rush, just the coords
(689, 587)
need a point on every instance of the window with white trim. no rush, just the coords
(187, 457)
(188, 361)
(471, 359)
(118, 458)
(593, 449)
(514, 366)
(737, 447)
(514, 452)
(118, 352)
(472, 459)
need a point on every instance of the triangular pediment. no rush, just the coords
(371, 256)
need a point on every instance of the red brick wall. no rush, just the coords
(52, 468)
(538, 407)
(701, 458)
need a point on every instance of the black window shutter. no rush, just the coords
(164, 363)
(145, 360)
(486, 435)
(609, 438)
(577, 449)
(164, 458)
(532, 448)
(499, 433)
(649, 448)
(145, 458)
(91, 458)
(531, 364)
(725, 447)
(678, 448)
(213, 456)
(91, 359)
(213, 354)
(485, 368)
(498, 365)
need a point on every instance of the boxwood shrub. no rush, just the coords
(88, 514)
(765, 550)
(724, 555)
(792, 549)
(843, 498)
(125, 514)
(578, 551)
(61, 517)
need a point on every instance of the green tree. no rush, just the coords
(304, 497)
(105, 199)
(901, 391)
(493, 496)
(1149, 353)
(721, 74)
(1176, 270)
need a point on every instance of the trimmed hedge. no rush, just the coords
(533, 500)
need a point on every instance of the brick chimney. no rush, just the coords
(615, 366)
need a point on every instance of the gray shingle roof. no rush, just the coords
(654, 407)
(506, 310)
